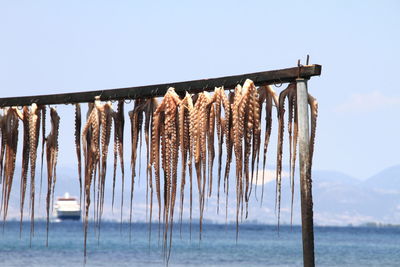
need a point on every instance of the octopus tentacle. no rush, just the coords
(168, 132)
(10, 133)
(243, 127)
(199, 128)
(238, 122)
(135, 130)
(3, 149)
(271, 98)
(51, 158)
(184, 141)
(252, 129)
(292, 150)
(90, 142)
(78, 122)
(220, 135)
(229, 133)
(116, 129)
(43, 115)
(256, 138)
(314, 114)
(155, 158)
(106, 112)
(189, 132)
(34, 128)
(281, 114)
(121, 123)
(151, 105)
(262, 95)
(25, 161)
(210, 143)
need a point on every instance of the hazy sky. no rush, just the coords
(55, 47)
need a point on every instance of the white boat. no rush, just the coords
(67, 208)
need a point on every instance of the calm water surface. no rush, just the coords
(258, 245)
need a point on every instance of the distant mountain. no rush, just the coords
(387, 180)
(339, 199)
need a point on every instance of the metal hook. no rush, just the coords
(280, 83)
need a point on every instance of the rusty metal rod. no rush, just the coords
(307, 225)
(195, 86)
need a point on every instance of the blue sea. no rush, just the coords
(258, 245)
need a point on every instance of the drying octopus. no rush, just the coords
(51, 158)
(267, 95)
(185, 108)
(136, 119)
(199, 124)
(9, 131)
(174, 128)
(91, 152)
(290, 94)
(77, 133)
(106, 118)
(119, 122)
(142, 112)
(165, 125)
(43, 126)
(24, 117)
(34, 130)
(246, 127)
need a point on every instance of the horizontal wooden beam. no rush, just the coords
(195, 86)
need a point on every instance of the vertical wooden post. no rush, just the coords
(305, 174)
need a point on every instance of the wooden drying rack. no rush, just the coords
(195, 86)
(299, 74)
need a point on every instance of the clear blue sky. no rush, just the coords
(54, 47)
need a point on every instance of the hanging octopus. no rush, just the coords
(199, 124)
(10, 137)
(43, 118)
(91, 149)
(149, 107)
(185, 108)
(24, 117)
(3, 146)
(174, 128)
(51, 158)
(252, 139)
(119, 122)
(291, 94)
(229, 133)
(167, 130)
(219, 95)
(78, 123)
(244, 115)
(136, 118)
(34, 129)
(106, 117)
(267, 95)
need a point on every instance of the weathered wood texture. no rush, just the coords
(307, 224)
(195, 86)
